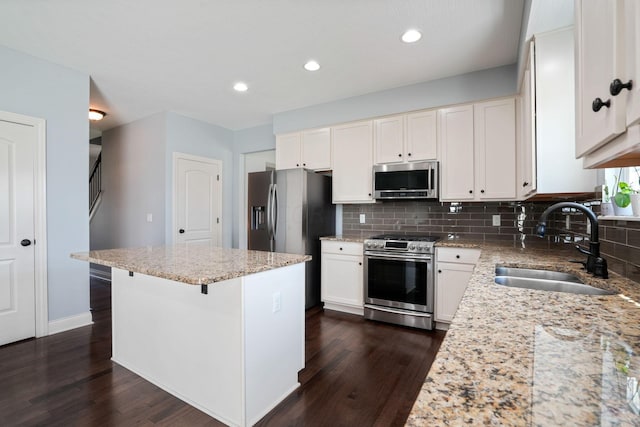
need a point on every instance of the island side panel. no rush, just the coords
(185, 342)
(274, 337)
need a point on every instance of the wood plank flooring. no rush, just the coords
(358, 373)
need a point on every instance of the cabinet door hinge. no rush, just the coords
(217, 220)
(217, 177)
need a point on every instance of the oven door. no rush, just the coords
(398, 281)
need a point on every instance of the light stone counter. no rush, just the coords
(194, 263)
(523, 357)
(353, 239)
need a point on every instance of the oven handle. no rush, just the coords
(391, 310)
(393, 257)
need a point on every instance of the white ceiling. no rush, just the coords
(146, 56)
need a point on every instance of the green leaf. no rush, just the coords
(622, 199)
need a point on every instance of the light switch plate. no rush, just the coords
(149, 217)
(496, 220)
(362, 218)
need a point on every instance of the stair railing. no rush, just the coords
(95, 182)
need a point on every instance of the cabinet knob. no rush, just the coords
(181, 231)
(598, 103)
(369, 194)
(304, 164)
(409, 154)
(524, 184)
(470, 191)
(458, 256)
(439, 271)
(616, 86)
(482, 191)
(297, 164)
(340, 248)
(359, 263)
(400, 155)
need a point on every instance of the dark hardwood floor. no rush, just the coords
(358, 373)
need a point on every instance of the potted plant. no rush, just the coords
(622, 198)
(606, 209)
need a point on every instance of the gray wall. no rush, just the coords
(190, 136)
(133, 171)
(60, 95)
(479, 85)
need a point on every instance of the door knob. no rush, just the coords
(25, 242)
(181, 231)
(617, 86)
(598, 103)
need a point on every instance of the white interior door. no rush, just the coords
(17, 281)
(197, 201)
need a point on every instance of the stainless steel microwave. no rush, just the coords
(416, 180)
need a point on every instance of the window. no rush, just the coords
(613, 177)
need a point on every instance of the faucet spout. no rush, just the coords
(595, 263)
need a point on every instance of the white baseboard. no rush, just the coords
(71, 322)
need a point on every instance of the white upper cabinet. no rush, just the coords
(456, 153)
(600, 51)
(309, 149)
(288, 151)
(422, 136)
(389, 142)
(405, 138)
(558, 170)
(526, 125)
(495, 146)
(352, 147)
(478, 151)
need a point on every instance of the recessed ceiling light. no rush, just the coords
(96, 114)
(312, 66)
(240, 87)
(411, 36)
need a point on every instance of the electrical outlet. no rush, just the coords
(362, 218)
(149, 217)
(496, 220)
(277, 302)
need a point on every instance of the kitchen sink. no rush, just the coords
(545, 280)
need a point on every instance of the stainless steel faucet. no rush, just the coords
(595, 264)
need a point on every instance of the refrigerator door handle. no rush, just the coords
(274, 206)
(269, 208)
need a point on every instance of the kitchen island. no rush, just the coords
(221, 329)
(521, 357)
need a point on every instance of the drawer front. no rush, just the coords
(458, 255)
(345, 248)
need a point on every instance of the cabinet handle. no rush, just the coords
(369, 194)
(470, 191)
(359, 263)
(482, 191)
(400, 155)
(297, 164)
(409, 154)
(524, 184)
(304, 164)
(617, 86)
(340, 248)
(458, 256)
(439, 271)
(598, 103)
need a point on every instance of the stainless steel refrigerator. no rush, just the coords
(289, 210)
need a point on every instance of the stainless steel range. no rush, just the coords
(399, 280)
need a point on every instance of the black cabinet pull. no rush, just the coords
(439, 271)
(25, 242)
(400, 155)
(369, 194)
(297, 164)
(482, 191)
(470, 191)
(616, 86)
(458, 256)
(598, 103)
(409, 154)
(181, 231)
(304, 164)
(359, 263)
(340, 248)
(524, 184)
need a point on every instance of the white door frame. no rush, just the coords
(218, 163)
(40, 217)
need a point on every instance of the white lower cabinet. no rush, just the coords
(453, 270)
(342, 276)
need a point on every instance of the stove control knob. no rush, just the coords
(380, 245)
(422, 247)
(367, 245)
(412, 247)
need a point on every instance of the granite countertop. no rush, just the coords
(193, 263)
(523, 357)
(353, 239)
